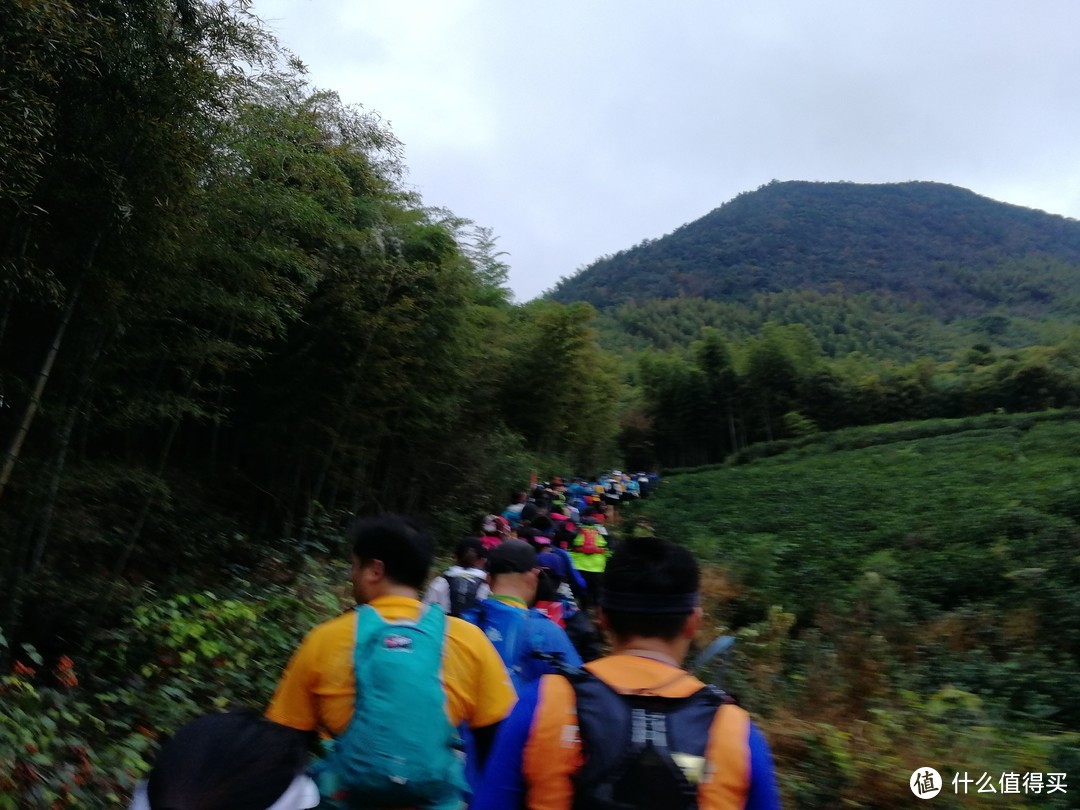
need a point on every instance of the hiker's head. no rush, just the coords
(470, 552)
(512, 570)
(233, 761)
(650, 591)
(390, 552)
(543, 524)
(528, 513)
(495, 526)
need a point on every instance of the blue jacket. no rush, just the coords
(518, 634)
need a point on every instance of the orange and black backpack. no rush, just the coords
(590, 541)
(641, 751)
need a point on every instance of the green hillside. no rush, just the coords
(930, 267)
(905, 595)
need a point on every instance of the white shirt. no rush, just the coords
(438, 592)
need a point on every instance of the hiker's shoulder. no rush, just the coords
(464, 635)
(335, 629)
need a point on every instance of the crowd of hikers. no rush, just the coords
(489, 685)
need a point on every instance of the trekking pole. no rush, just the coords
(720, 647)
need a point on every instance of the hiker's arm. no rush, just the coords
(763, 794)
(293, 703)
(558, 643)
(552, 751)
(484, 741)
(502, 785)
(438, 593)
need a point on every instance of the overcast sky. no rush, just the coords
(578, 128)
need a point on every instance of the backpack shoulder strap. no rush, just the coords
(604, 727)
(623, 733)
(368, 622)
(431, 622)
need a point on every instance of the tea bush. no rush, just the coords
(903, 596)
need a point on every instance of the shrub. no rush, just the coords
(69, 740)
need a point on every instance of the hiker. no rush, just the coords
(556, 600)
(518, 631)
(462, 585)
(493, 530)
(512, 513)
(588, 551)
(233, 761)
(633, 729)
(390, 682)
(541, 542)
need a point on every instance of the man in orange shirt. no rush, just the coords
(633, 729)
(391, 557)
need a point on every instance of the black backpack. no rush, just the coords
(641, 752)
(463, 590)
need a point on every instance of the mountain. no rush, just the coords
(933, 265)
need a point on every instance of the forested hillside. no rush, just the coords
(894, 270)
(816, 306)
(943, 246)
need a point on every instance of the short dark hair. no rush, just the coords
(233, 761)
(650, 566)
(470, 545)
(405, 549)
(543, 524)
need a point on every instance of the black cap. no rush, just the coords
(511, 557)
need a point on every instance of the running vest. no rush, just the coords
(463, 589)
(589, 542)
(399, 749)
(642, 752)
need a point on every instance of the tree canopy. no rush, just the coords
(224, 318)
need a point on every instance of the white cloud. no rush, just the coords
(576, 129)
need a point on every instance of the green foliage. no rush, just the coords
(82, 734)
(929, 578)
(713, 402)
(570, 387)
(225, 325)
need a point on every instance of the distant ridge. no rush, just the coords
(939, 246)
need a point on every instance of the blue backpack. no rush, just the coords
(399, 749)
(518, 636)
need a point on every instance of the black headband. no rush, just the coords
(648, 603)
